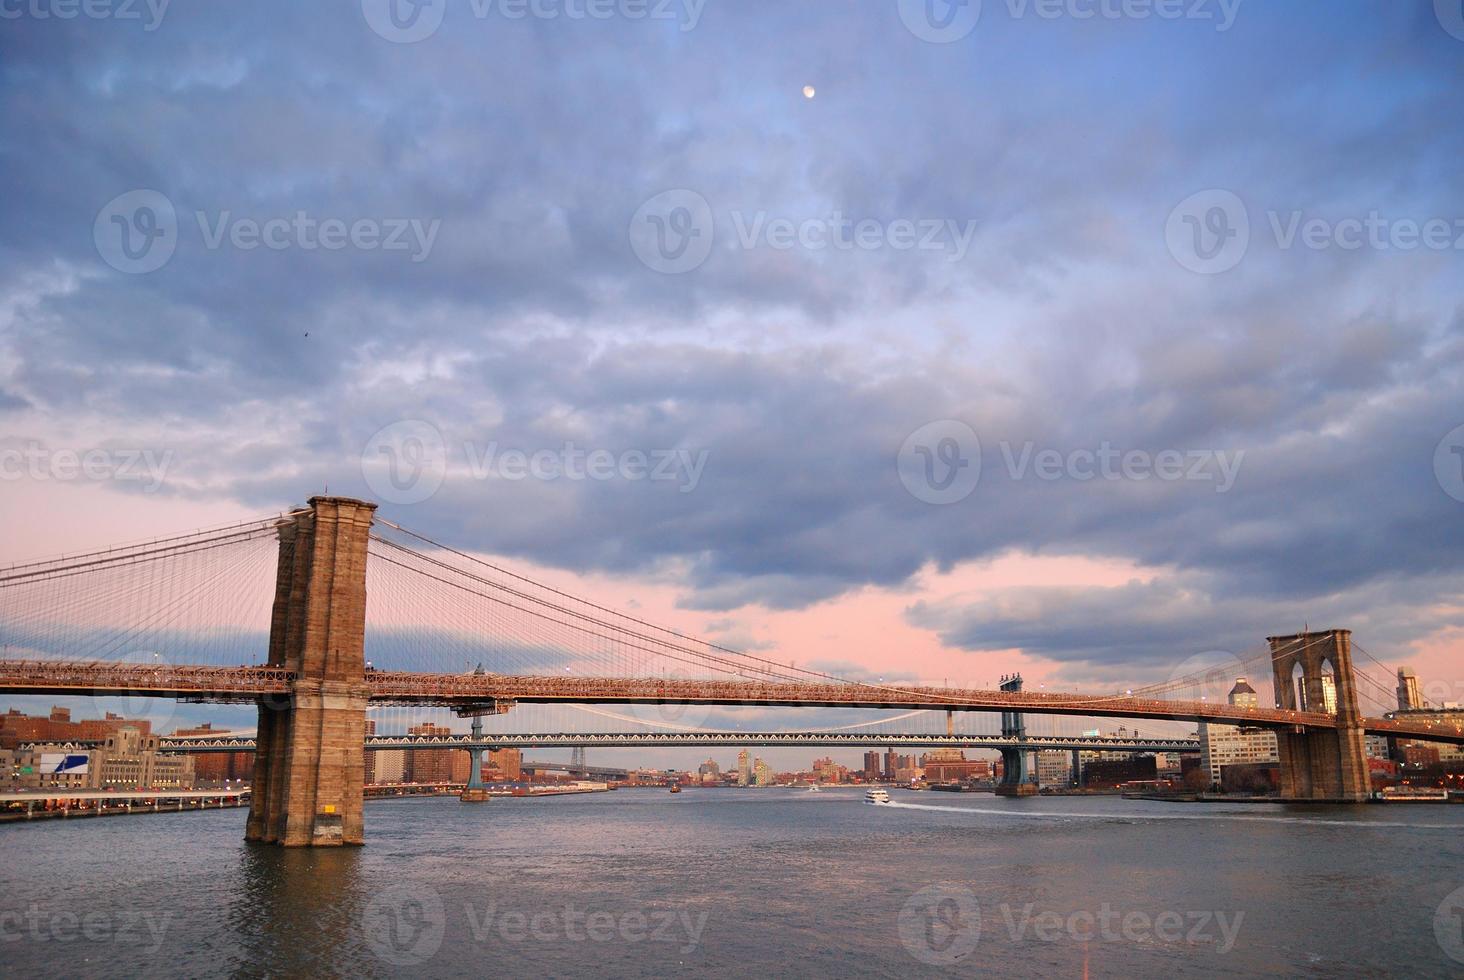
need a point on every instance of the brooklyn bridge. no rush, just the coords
(363, 613)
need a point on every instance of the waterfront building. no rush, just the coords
(762, 774)
(506, 765)
(430, 765)
(744, 768)
(390, 766)
(871, 766)
(1054, 768)
(131, 759)
(1228, 745)
(952, 766)
(219, 768)
(826, 770)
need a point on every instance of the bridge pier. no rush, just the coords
(1015, 776)
(1320, 764)
(309, 764)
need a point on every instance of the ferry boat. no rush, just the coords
(675, 787)
(813, 788)
(878, 796)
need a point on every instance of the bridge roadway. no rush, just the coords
(195, 744)
(497, 692)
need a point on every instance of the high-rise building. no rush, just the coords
(744, 768)
(1329, 696)
(1409, 694)
(508, 762)
(871, 766)
(762, 773)
(891, 763)
(390, 765)
(429, 765)
(826, 770)
(1228, 745)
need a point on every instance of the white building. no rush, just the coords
(1054, 768)
(1227, 745)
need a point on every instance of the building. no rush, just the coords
(131, 759)
(431, 765)
(1054, 768)
(1229, 745)
(952, 766)
(1108, 773)
(709, 773)
(872, 769)
(826, 770)
(505, 765)
(17, 727)
(45, 765)
(1417, 752)
(219, 768)
(1329, 696)
(1410, 696)
(744, 768)
(891, 763)
(762, 774)
(389, 765)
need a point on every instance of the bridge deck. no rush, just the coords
(465, 690)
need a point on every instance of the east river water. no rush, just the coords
(763, 883)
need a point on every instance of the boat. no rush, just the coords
(813, 788)
(878, 796)
(675, 787)
(1413, 794)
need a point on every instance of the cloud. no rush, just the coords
(1331, 375)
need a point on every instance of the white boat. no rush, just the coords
(876, 796)
(813, 788)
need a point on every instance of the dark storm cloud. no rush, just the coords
(532, 323)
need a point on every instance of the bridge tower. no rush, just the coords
(1013, 761)
(1321, 764)
(309, 762)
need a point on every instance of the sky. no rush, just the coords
(1083, 338)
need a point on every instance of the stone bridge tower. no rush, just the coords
(309, 762)
(1320, 764)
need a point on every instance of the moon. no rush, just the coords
(808, 92)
